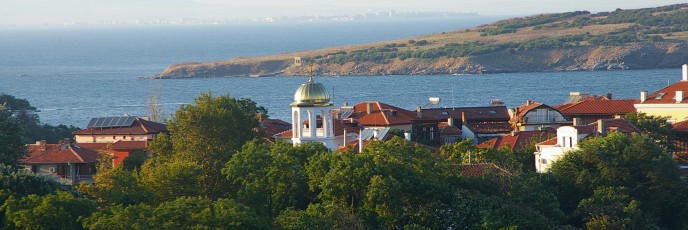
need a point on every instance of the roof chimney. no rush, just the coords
(419, 112)
(601, 129)
(463, 117)
(450, 121)
(369, 107)
(576, 121)
(643, 96)
(679, 96)
(685, 72)
(528, 102)
(609, 96)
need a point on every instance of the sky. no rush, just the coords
(35, 12)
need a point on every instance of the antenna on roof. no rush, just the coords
(311, 67)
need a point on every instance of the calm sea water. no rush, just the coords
(74, 74)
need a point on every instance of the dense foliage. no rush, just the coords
(204, 175)
(24, 115)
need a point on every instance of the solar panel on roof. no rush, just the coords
(92, 122)
(103, 122)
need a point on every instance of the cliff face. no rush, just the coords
(628, 56)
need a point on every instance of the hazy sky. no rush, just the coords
(22, 12)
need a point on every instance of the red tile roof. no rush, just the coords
(139, 127)
(384, 115)
(598, 106)
(92, 146)
(480, 169)
(472, 114)
(681, 126)
(59, 153)
(669, 94)
(130, 145)
(519, 140)
(552, 141)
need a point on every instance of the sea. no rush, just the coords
(73, 74)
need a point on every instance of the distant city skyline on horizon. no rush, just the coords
(38, 12)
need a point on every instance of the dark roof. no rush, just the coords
(58, 153)
(489, 127)
(274, 126)
(669, 93)
(481, 169)
(446, 129)
(518, 140)
(598, 106)
(138, 127)
(472, 114)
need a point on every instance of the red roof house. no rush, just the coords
(65, 162)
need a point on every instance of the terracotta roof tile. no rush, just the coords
(681, 126)
(519, 140)
(595, 106)
(130, 145)
(140, 126)
(59, 153)
(669, 94)
(384, 115)
(522, 110)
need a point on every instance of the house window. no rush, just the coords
(124, 137)
(445, 113)
(113, 137)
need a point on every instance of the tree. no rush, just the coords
(656, 127)
(172, 179)
(11, 144)
(116, 186)
(635, 162)
(29, 122)
(207, 134)
(272, 178)
(318, 216)
(22, 183)
(612, 208)
(181, 213)
(52, 211)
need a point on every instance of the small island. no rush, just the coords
(623, 39)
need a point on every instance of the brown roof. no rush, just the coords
(681, 126)
(274, 126)
(669, 94)
(446, 129)
(92, 146)
(480, 169)
(472, 114)
(517, 141)
(139, 127)
(551, 141)
(130, 145)
(522, 110)
(597, 106)
(384, 115)
(58, 153)
(489, 127)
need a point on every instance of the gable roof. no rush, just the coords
(384, 114)
(598, 106)
(522, 110)
(471, 114)
(619, 125)
(138, 127)
(518, 140)
(668, 93)
(58, 153)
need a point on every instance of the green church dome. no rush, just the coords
(311, 94)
